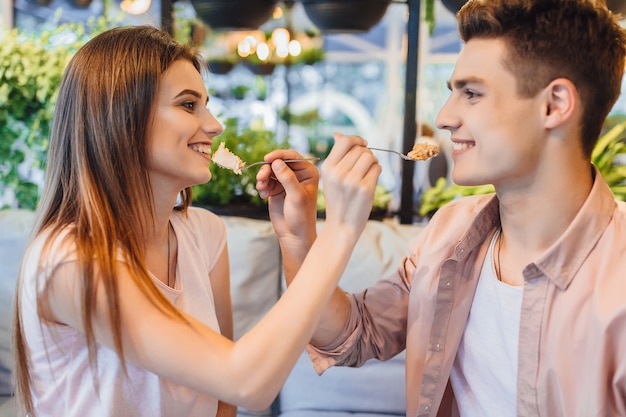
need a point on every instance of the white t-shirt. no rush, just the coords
(484, 374)
(63, 381)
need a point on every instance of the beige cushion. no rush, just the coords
(15, 229)
(255, 270)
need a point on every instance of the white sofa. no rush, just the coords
(376, 389)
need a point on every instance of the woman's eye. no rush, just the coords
(189, 105)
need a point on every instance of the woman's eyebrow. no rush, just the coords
(193, 93)
(188, 91)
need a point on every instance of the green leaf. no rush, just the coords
(31, 68)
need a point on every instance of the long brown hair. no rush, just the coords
(97, 174)
(580, 40)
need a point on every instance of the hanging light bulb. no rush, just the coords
(280, 37)
(135, 6)
(277, 13)
(247, 46)
(243, 49)
(263, 51)
(295, 48)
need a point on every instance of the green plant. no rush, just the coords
(240, 91)
(607, 151)
(442, 193)
(610, 146)
(226, 187)
(31, 67)
(429, 15)
(309, 56)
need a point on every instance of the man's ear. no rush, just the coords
(561, 102)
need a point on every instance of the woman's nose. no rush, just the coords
(210, 125)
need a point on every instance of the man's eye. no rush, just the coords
(470, 94)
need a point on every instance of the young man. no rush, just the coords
(513, 304)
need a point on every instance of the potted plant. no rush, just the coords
(235, 194)
(258, 66)
(31, 67)
(309, 56)
(234, 15)
(221, 65)
(345, 15)
(362, 15)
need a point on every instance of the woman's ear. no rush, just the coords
(561, 102)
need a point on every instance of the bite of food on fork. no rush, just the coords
(225, 158)
(421, 151)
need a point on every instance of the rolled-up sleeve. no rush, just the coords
(376, 325)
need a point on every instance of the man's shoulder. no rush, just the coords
(474, 216)
(464, 209)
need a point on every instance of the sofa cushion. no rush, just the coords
(377, 253)
(15, 227)
(322, 413)
(376, 387)
(7, 406)
(255, 270)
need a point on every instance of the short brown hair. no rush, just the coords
(580, 40)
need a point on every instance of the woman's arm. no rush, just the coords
(250, 371)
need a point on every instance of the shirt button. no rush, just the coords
(448, 284)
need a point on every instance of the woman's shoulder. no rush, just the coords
(47, 251)
(200, 225)
(200, 217)
(56, 247)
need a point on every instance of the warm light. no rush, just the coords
(282, 51)
(278, 47)
(280, 37)
(135, 6)
(247, 46)
(243, 49)
(295, 48)
(263, 51)
(278, 13)
(251, 40)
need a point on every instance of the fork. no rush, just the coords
(400, 154)
(312, 159)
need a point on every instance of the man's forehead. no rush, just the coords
(478, 57)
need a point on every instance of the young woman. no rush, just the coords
(122, 304)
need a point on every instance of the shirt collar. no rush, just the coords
(483, 225)
(563, 259)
